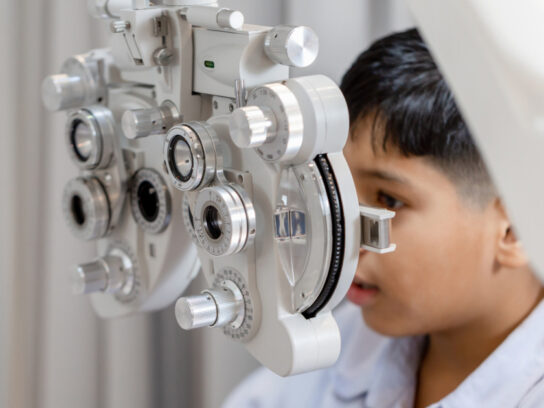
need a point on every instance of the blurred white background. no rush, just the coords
(54, 352)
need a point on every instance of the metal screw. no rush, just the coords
(163, 56)
(119, 26)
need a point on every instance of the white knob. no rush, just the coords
(293, 46)
(60, 92)
(230, 19)
(252, 126)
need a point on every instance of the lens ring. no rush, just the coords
(199, 153)
(173, 160)
(222, 220)
(86, 208)
(95, 148)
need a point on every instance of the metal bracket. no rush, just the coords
(375, 229)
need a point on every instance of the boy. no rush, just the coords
(457, 299)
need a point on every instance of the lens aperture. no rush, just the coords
(78, 212)
(212, 222)
(148, 201)
(82, 139)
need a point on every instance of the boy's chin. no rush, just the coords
(387, 326)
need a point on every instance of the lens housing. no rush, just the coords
(90, 133)
(190, 156)
(86, 208)
(224, 220)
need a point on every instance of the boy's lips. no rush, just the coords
(362, 293)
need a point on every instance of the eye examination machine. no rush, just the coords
(198, 153)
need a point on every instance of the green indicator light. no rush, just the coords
(209, 64)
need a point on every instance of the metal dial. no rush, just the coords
(189, 154)
(252, 126)
(86, 208)
(81, 83)
(188, 218)
(224, 220)
(139, 123)
(293, 46)
(113, 273)
(245, 329)
(283, 105)
(223, 305)
(150, 201)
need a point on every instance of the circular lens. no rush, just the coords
(148, 201)
(82, 139)
(181, 159)
(76, 207)
(212, 222)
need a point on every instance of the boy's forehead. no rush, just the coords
(367, 158)
(366, 142)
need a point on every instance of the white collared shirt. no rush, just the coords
(378, 372)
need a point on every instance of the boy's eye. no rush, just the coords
(389, 202)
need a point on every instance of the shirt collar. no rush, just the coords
(378, 367)
(385, 370)
(520, 355)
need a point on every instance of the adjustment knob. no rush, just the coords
(60, 92)
(214, 308)
(293, 46)
(107, 274)
(252, 126)
(139, 123)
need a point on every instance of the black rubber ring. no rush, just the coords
(338, 237)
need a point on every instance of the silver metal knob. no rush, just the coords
(214, 308)
(107, 274)
(62, 91)
(294, 46)
(252, 126)
(89, 278)
(196, 311)
(119, 26)
(139, 123)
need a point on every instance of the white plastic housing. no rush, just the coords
(223, 57)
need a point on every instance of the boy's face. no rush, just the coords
(441, 274)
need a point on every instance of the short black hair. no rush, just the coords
(397, 84)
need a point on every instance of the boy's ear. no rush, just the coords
(510, 252)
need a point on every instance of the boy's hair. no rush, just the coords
(396, 84)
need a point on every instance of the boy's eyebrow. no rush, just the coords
(384, 175)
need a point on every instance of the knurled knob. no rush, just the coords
(216, 308)
(293, 46)
(60, 92)
(139, 123)
(107, 274)
(252, 126)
